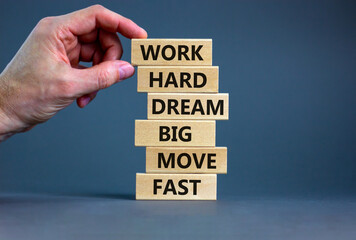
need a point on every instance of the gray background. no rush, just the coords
(289, 67)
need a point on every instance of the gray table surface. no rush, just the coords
(28, 216)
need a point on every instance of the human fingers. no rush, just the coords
(87, 20)
(86, 99)
(111, 45)
(99, 76)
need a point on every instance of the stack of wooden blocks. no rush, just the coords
(182, 105)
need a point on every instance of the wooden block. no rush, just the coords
(178, 79)
(186, 160)
(174, 133)
(174, 52)
(188, 106)
(175, 186)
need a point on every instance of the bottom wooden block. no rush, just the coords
(175, 186)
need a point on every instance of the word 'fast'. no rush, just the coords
(170, 187)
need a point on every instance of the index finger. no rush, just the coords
(86, 20)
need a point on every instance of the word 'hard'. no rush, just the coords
(177, 79)
(199, 80)
(176, 186)
(171, 52)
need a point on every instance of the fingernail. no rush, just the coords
(93, 95)
(126, 71)
(85, 101)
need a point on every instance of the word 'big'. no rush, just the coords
(182, 134)
(169, 52)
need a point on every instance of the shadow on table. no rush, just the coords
(21, 198)
(122, 196)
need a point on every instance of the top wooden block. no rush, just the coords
(173, 52)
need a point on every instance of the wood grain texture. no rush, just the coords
(203, 79)
(194, 133)
(186, 160)
(174, 52)
(176, 186)
(188, 106)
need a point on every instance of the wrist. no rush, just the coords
(10, 122)
(5, 131)
(6, 124)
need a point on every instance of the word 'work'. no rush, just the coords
(171, 52)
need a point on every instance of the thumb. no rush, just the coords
(102, 75)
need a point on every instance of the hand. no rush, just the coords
(45, 76)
